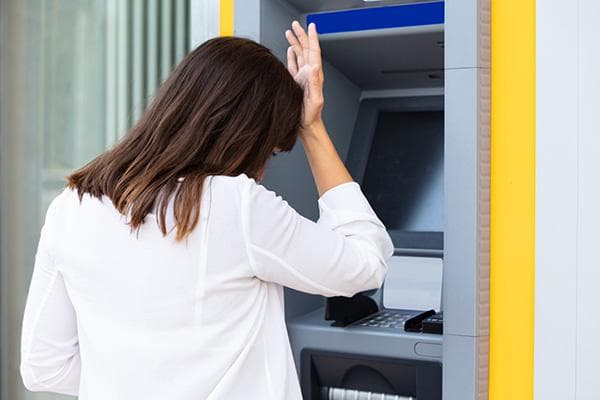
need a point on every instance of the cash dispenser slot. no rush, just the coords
(365, 359)
(340, 375)
(384, 91)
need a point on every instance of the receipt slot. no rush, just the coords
(407, 106)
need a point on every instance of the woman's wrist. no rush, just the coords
(325, 163)
(314, 137)
(315, 130)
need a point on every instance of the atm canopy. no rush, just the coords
(390, 47)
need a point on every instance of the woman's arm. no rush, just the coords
(50, 358)
(305, 65)
(345, 252)
(327, 168)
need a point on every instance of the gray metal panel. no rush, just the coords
(246, 18)
(275, 18)
(460, 268)
(466, 267)
(394, 58)
(311, 331)
(466, 241)
(458, 382)
(467, 42)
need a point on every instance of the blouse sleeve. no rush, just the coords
(345, 252)
(50, 358)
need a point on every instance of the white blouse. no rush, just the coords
(114, 314)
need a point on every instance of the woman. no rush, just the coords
(160, 267)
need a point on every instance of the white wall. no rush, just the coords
(567, 296)
(588, 233)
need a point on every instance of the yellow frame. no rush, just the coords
(226, 17)
(512, 236)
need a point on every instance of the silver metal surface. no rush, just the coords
(349, 394)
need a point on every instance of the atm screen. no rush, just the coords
(403, 177)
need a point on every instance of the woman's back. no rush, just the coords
(152, 317)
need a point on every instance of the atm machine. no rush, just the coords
(407, 106)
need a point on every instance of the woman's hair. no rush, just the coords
(222, 111)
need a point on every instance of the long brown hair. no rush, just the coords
(222, 111)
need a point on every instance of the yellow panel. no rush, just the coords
(226, 18)
(512, 200)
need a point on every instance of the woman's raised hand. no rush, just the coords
(304, 63)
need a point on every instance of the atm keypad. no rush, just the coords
(388, 319)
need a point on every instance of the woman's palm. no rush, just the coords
(304, 64)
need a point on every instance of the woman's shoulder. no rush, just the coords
(58, 209)
(247, 189)
(241, 179)
(242, 182)
(69, 197)
(68, 203)
(61, 201)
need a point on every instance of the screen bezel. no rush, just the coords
(405, 242)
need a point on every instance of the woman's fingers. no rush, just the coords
(314, 50)
(304, 60)
(292, 62)
(302, 38)
(296, 47)
(306, 46)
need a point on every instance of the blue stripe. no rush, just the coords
(379, 17)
